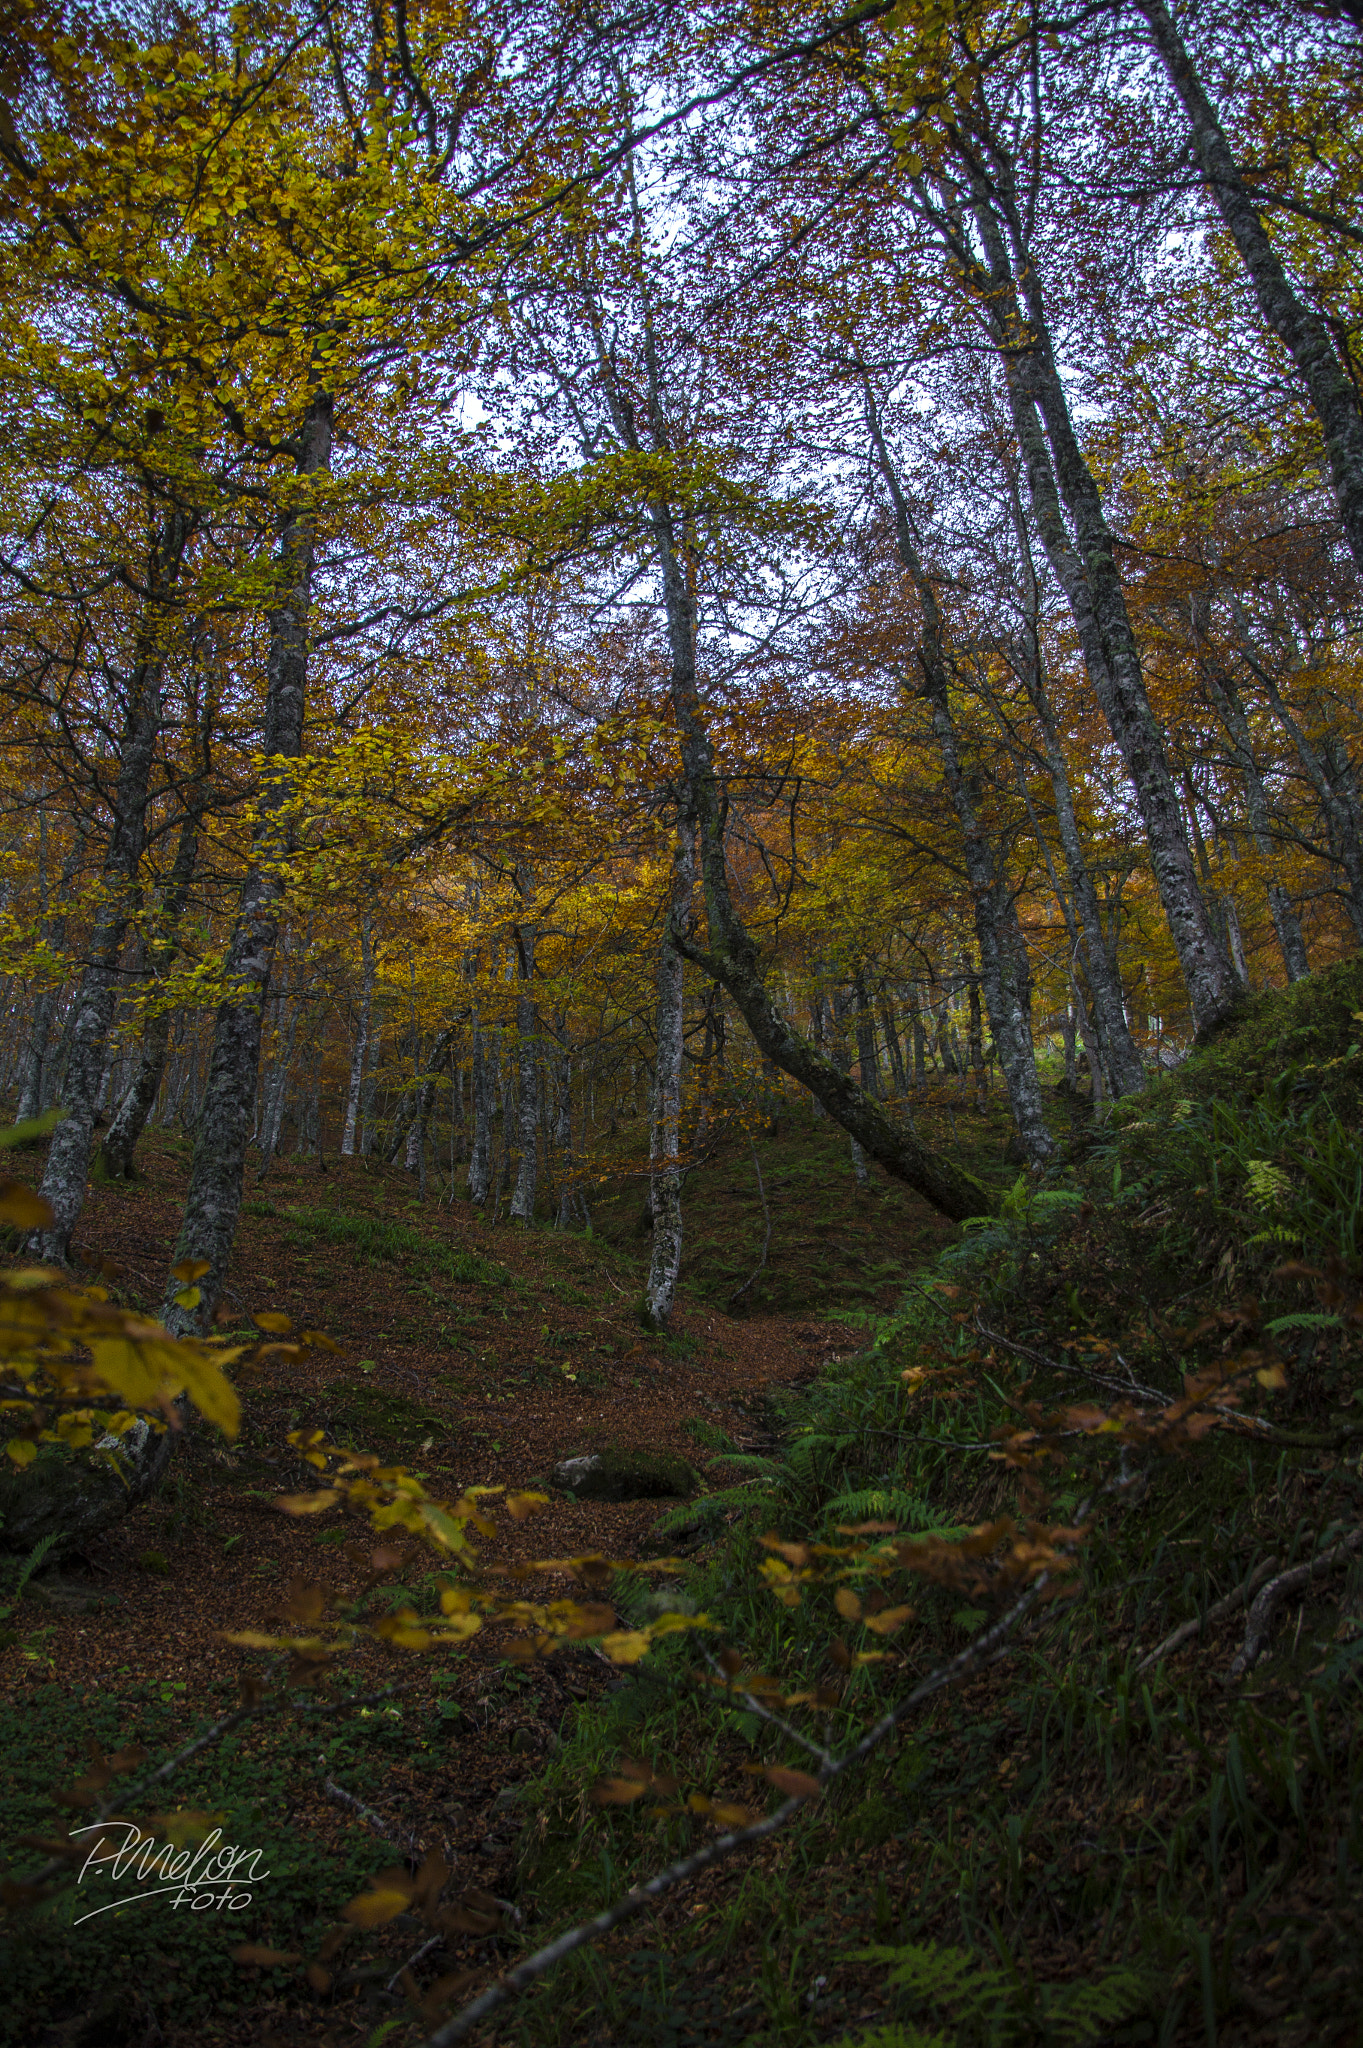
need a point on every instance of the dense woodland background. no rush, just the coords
(608, 615)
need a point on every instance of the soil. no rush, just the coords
(484, 1381)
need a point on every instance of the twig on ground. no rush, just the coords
(1216, 1612)
(983, 1650)
(1129, 1386)
(412, 1960)
(1271, 1597)
(390, 1831)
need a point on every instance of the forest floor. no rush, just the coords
(484, 1381)
(1115, 1836)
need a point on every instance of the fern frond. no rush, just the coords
(36, 1556)
(1081, 2012)
(886, 1503)
(745, 1461)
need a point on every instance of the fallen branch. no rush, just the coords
(338, 1796)
(1216, 1612)
(1270, 1599)
(1129, 1386)
(983, 1650)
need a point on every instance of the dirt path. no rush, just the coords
(487, 1380)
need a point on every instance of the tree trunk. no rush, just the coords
(120, 1140)
(730, 957)
(68, 1160)
(352, 1106)
(482, 1082)
(665, 1134)
(528, 1078)
(1004, 971)
(214, 1199)
(1092, 584)
(1305, 337)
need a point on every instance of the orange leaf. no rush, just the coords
(847, 1604)
(795, 1784)
(889, 1619)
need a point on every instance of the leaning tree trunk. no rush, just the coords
(1333, 395)
(729, 956)
(68, 1160)
(224, 1125)
(665, 1136)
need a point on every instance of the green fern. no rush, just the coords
(888, 1503)
(36, 1556)
(979, 1995)
(1307, 1320)
(1081, 2012)
(711, 1509)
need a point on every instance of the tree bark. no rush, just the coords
(352, 1106)
(1089, 576)
(1305, 337)
(481, 1087)
(528, 1081)
(665, 1136)
(120, 1140)
(68, 1160)
(1286, 923)
(730, 957)
(1004, 971)
(214, 1199)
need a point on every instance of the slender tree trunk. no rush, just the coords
(1004, 971)
(528, 1075)
(730, 957)
(1286, 923)
(68, 1160)
(844, 1009)
(482, 1060)
(893, 1047)
(120, 1140)
(665, 1134)
(352, 1106)
(1089, 576)
(214, 1199)
(1302, 333)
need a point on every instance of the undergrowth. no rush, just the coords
(1098, 1839)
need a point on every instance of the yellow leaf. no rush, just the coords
(847, 1604)
(270, 1319)
(1271, 1376)
(21, 1207)
(732, 1816)
(625, 1645)
(619, 1791)
(888, 1620)
(373, 1909)
(306, 1503)
(21, 1451)
(211, 1391)
(189, 1297)
(190, 1269)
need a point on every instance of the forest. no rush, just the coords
(681, 964)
